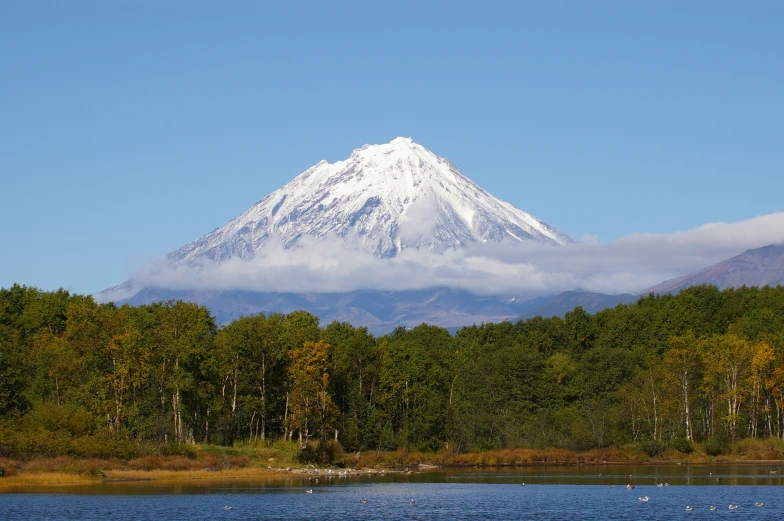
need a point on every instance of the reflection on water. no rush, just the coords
(767, 474)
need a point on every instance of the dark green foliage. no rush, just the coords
(652, 448)
(82, 379)
(717, 444)
(681, 444)
(325, 452)
(12, 369)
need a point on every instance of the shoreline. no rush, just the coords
(42, 479)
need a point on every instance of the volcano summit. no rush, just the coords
(384, 198)
(324, 241)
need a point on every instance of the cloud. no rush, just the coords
(626, 265)
(418, 219)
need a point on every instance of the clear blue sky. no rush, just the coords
(129, 128)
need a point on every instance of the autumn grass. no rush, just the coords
(64, 470)
(31, 479)
(495, 458)
(263, 461)
(180, 475)
(45, 478)
(256, 461)
(744, 451)
(276, 453)
(754, 450)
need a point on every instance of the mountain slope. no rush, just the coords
(384, 198)
(565, 302)
(379, 311)
(757, 267)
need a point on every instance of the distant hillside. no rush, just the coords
(758, 267)
(561, 304)
(379, 311)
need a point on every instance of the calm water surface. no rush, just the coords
(582, 493)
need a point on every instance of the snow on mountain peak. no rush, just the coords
(385, 198)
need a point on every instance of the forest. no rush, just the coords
(87, 380)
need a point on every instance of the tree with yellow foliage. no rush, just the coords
(681, 363)
(727, 366)
(761, 379)
(312, 409)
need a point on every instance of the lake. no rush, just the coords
(561, 493)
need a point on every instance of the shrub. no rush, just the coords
(146, 463)
(8, 467)
(179, 463)
(237, 462)
(323, 452)
(717, 444)
(103, 445)
(652, 448)
(682, 445)
(178, 449)
(64, 464)
(164, 463)
(210, 459)
(70, 419)
(760, 449)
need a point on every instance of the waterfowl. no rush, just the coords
(363, 500)
(412, 501)
(659, 484)
(689, 508)
(309, 491)
(712, 508)
(644, 499)
(227, 508)
(629, 487)
(733, 507)
(759, 504)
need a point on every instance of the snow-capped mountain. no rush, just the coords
(384, 198)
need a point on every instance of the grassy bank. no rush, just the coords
(209, 462)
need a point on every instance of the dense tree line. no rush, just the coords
(703, 366)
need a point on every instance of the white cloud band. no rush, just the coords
(627, 265)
